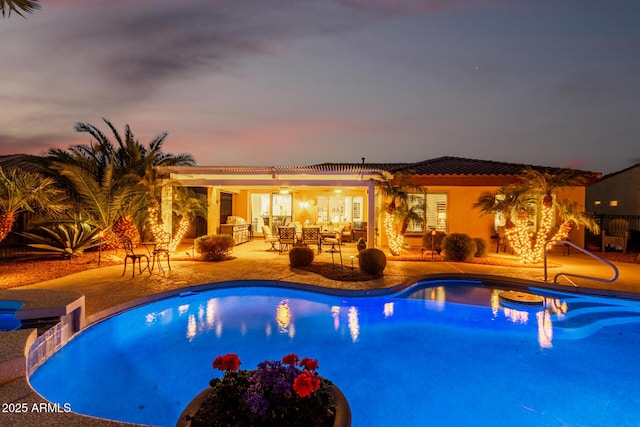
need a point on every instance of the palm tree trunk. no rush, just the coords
(7, 219)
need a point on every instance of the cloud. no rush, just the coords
(418, 7)
(143, 44)
(10, 144)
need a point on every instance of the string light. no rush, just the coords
(394, 239)
(521, 239)
(157, 228)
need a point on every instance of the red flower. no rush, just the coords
(228, 362)
(310, 364)
(290, 359)
(306, 383)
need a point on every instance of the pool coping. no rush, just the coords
(17, 389)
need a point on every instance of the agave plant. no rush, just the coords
(67, 239)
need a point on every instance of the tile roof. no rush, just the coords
(612, 174)
(461, 166)
(23, 161)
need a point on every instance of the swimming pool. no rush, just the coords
(437, 353)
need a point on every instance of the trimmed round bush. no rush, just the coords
(300, 256)
(372, 261)
(214, 247)
(458, 247)
(481, 247)
(427, 240)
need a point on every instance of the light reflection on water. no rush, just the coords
(441, 338)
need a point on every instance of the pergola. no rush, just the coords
(299, 179)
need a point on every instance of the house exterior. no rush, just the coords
(616, 196)
(339, 193)
(617, 193)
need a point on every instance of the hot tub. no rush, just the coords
(8, 320)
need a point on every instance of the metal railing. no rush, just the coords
(579, 276)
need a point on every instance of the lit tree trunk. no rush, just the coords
(6, 223)
(156, 227)
(394, 239)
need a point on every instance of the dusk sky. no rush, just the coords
(265, 82)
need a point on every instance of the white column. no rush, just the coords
(166, 208)
(371, 215)
(213, 210)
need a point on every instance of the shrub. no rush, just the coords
(427, 239)
(372, 261)
(214, 247)
(481, 247)
(300, 256)
(458, 247)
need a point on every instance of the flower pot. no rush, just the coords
(342, 419)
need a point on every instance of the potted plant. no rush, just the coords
(278, 393)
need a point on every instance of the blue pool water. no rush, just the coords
(436, 354)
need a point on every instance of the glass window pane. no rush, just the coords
(415, 203)
(437, 211)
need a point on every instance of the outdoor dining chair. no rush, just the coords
(286, 237)
(160, 250)
(311, 236)
(269, 238)
(127, 244)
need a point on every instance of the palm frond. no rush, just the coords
(18, 6)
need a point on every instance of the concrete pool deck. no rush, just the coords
(106, 291)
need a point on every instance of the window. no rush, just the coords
(613, 203)
(260, 207)
(336, 209)
(597, 203)
(432, 208)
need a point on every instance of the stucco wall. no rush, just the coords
(462, 217)
(623, 187)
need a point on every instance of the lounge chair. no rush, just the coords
(617, 233)
(336, 245)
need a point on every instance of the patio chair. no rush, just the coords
(286, 237)
(501, 240)
(617, 233)
(336, 245)
(127, 244)
(161, 249)
(269, 238)
(311, 235)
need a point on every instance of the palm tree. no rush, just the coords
(398, 214)
(515, 203)
(519, 198)
(18, 6)
(23, 191)
(102, 200)
(131, 165)
(572, 216)
(546, 184)
(508, 200)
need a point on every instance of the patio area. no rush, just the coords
(106, 291)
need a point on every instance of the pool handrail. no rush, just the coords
(579, 276)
